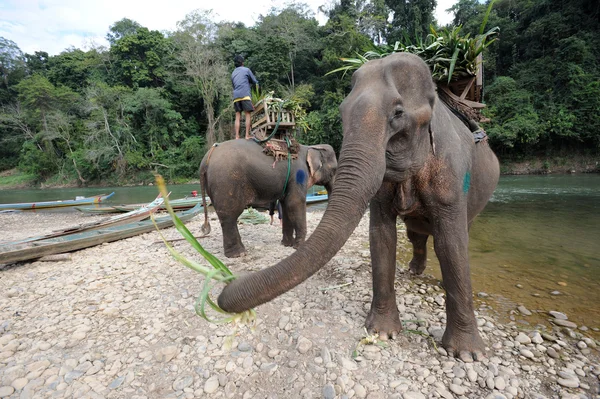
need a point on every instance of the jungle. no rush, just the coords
(154, 102)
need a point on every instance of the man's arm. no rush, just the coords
(253, 79)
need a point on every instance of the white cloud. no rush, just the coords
(54, 25)
(440, 13)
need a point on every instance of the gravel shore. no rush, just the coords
(117, 321)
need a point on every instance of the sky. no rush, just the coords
(55, 25)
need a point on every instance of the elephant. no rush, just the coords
(405, 154)
(237, 173)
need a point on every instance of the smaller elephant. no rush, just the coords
(237, 173)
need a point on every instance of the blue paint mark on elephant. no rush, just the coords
(467, 182)
(300, 176)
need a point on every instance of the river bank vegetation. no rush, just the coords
(153, 101)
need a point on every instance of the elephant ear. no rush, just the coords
(314, 161)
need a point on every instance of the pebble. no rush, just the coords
(536, 338)
(558, 315)
(524, 310)
(568, 383)
(19, 383)
(117, 382)
(244, 347)
(523, 339)
(6, 391)
(413, 395)
(304, 345)
(564, 323)
(328, 391)
(122, 322)
(211, 385)
(527, 353)
(457, 389)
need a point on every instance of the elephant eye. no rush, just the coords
(398, 112)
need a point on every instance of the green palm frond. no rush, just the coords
(449, 55)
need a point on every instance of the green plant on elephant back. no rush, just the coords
(449, 55)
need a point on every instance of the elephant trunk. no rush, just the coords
(359, 176)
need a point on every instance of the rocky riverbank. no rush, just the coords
(117, 321)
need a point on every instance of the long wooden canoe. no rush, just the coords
(97, 210)
(177, 204)
(32, 250)
(133, 216)
(58, 204)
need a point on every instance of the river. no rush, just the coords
(538, 235)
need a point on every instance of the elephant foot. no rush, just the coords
(235, 252)
(286, 242)
(416, 267)
(467, 346)
(386, 324)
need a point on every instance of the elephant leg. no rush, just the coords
(451, 240)
(383, 318)
(232, 242)
(296, 211)
(419, 259)
(288, 227)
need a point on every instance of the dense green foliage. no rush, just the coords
(154, 101)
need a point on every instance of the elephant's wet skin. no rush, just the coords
(409, 157)
(236, 174)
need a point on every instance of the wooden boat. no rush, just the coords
(71, 242)
(58, 204)
(133, 216)
(316, 197)
(97, 210)
(177, 204)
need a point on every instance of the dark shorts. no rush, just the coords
(244, 105)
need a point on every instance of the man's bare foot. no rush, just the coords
(248, 138)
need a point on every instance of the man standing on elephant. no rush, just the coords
(242, 78)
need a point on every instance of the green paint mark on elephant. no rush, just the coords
(467, 182)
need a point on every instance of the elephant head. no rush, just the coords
(322, 166)
(386, 126)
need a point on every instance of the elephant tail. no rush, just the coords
(203, 185)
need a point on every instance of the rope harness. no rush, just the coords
(289, 155)
(478, 133)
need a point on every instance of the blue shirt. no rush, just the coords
(242, 78)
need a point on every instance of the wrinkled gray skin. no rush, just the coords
(388, 158)
(239, 174)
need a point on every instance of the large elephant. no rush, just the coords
(236, 174)
(406, 153)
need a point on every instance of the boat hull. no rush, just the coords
(72, 242)
(58, 204)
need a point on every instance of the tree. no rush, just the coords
(12, 68)
(11, 59)
(139, 58)
(37, 62)
(40, 96)
(410, 17)
(109, 137)
(291, 37)
(203, 64)
(122, 28)
(72, 68)
(465, 11)
(155, 125)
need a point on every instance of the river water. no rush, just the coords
(538, 234)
